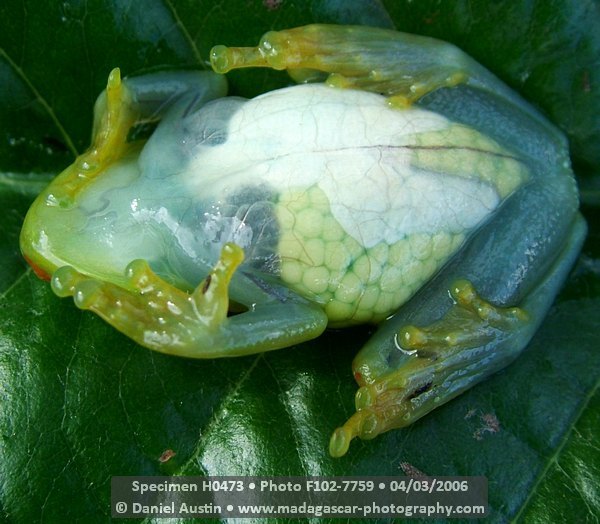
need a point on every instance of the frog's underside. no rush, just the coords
(313, 206)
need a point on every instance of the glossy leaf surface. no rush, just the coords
(80, 403)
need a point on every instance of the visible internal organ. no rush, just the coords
(355, 284)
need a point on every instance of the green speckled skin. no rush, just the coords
(403, 185)
(355, 284)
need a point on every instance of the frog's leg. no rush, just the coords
(124, 105)
(402, 66)
(163, 318)
(435, 348)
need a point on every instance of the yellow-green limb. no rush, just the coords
(404, 67)
(442, 360)
(166, 319)
(115, 114)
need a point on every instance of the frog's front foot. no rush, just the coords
(113, 120)
(164, 318)
(154, 313)
(441, 361)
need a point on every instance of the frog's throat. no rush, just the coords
(115, 114)
(445, 358)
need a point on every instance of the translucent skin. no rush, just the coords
(322, 204)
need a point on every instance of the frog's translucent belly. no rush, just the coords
(365, 216)
(354, 283)
(364, 155)
(348, 205)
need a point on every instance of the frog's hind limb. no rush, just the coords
(353, 56)
(439, 357)
(429, 365)
(404, 67)
(440, 344)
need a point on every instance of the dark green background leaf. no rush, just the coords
(79, 402)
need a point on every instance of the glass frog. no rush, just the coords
(398, 183)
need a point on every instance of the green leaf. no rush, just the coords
(80, 403)
(572, 476)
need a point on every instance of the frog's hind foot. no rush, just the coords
(441, 361)
(470, 322)
(153, 312)
(401, 66)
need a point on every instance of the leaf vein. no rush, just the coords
(554, 458)
(186, 34)
(217, 415)
(38, 96)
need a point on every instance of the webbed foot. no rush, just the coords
(442, 360)
(403, 67)
(164, 318)
(154, 313)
